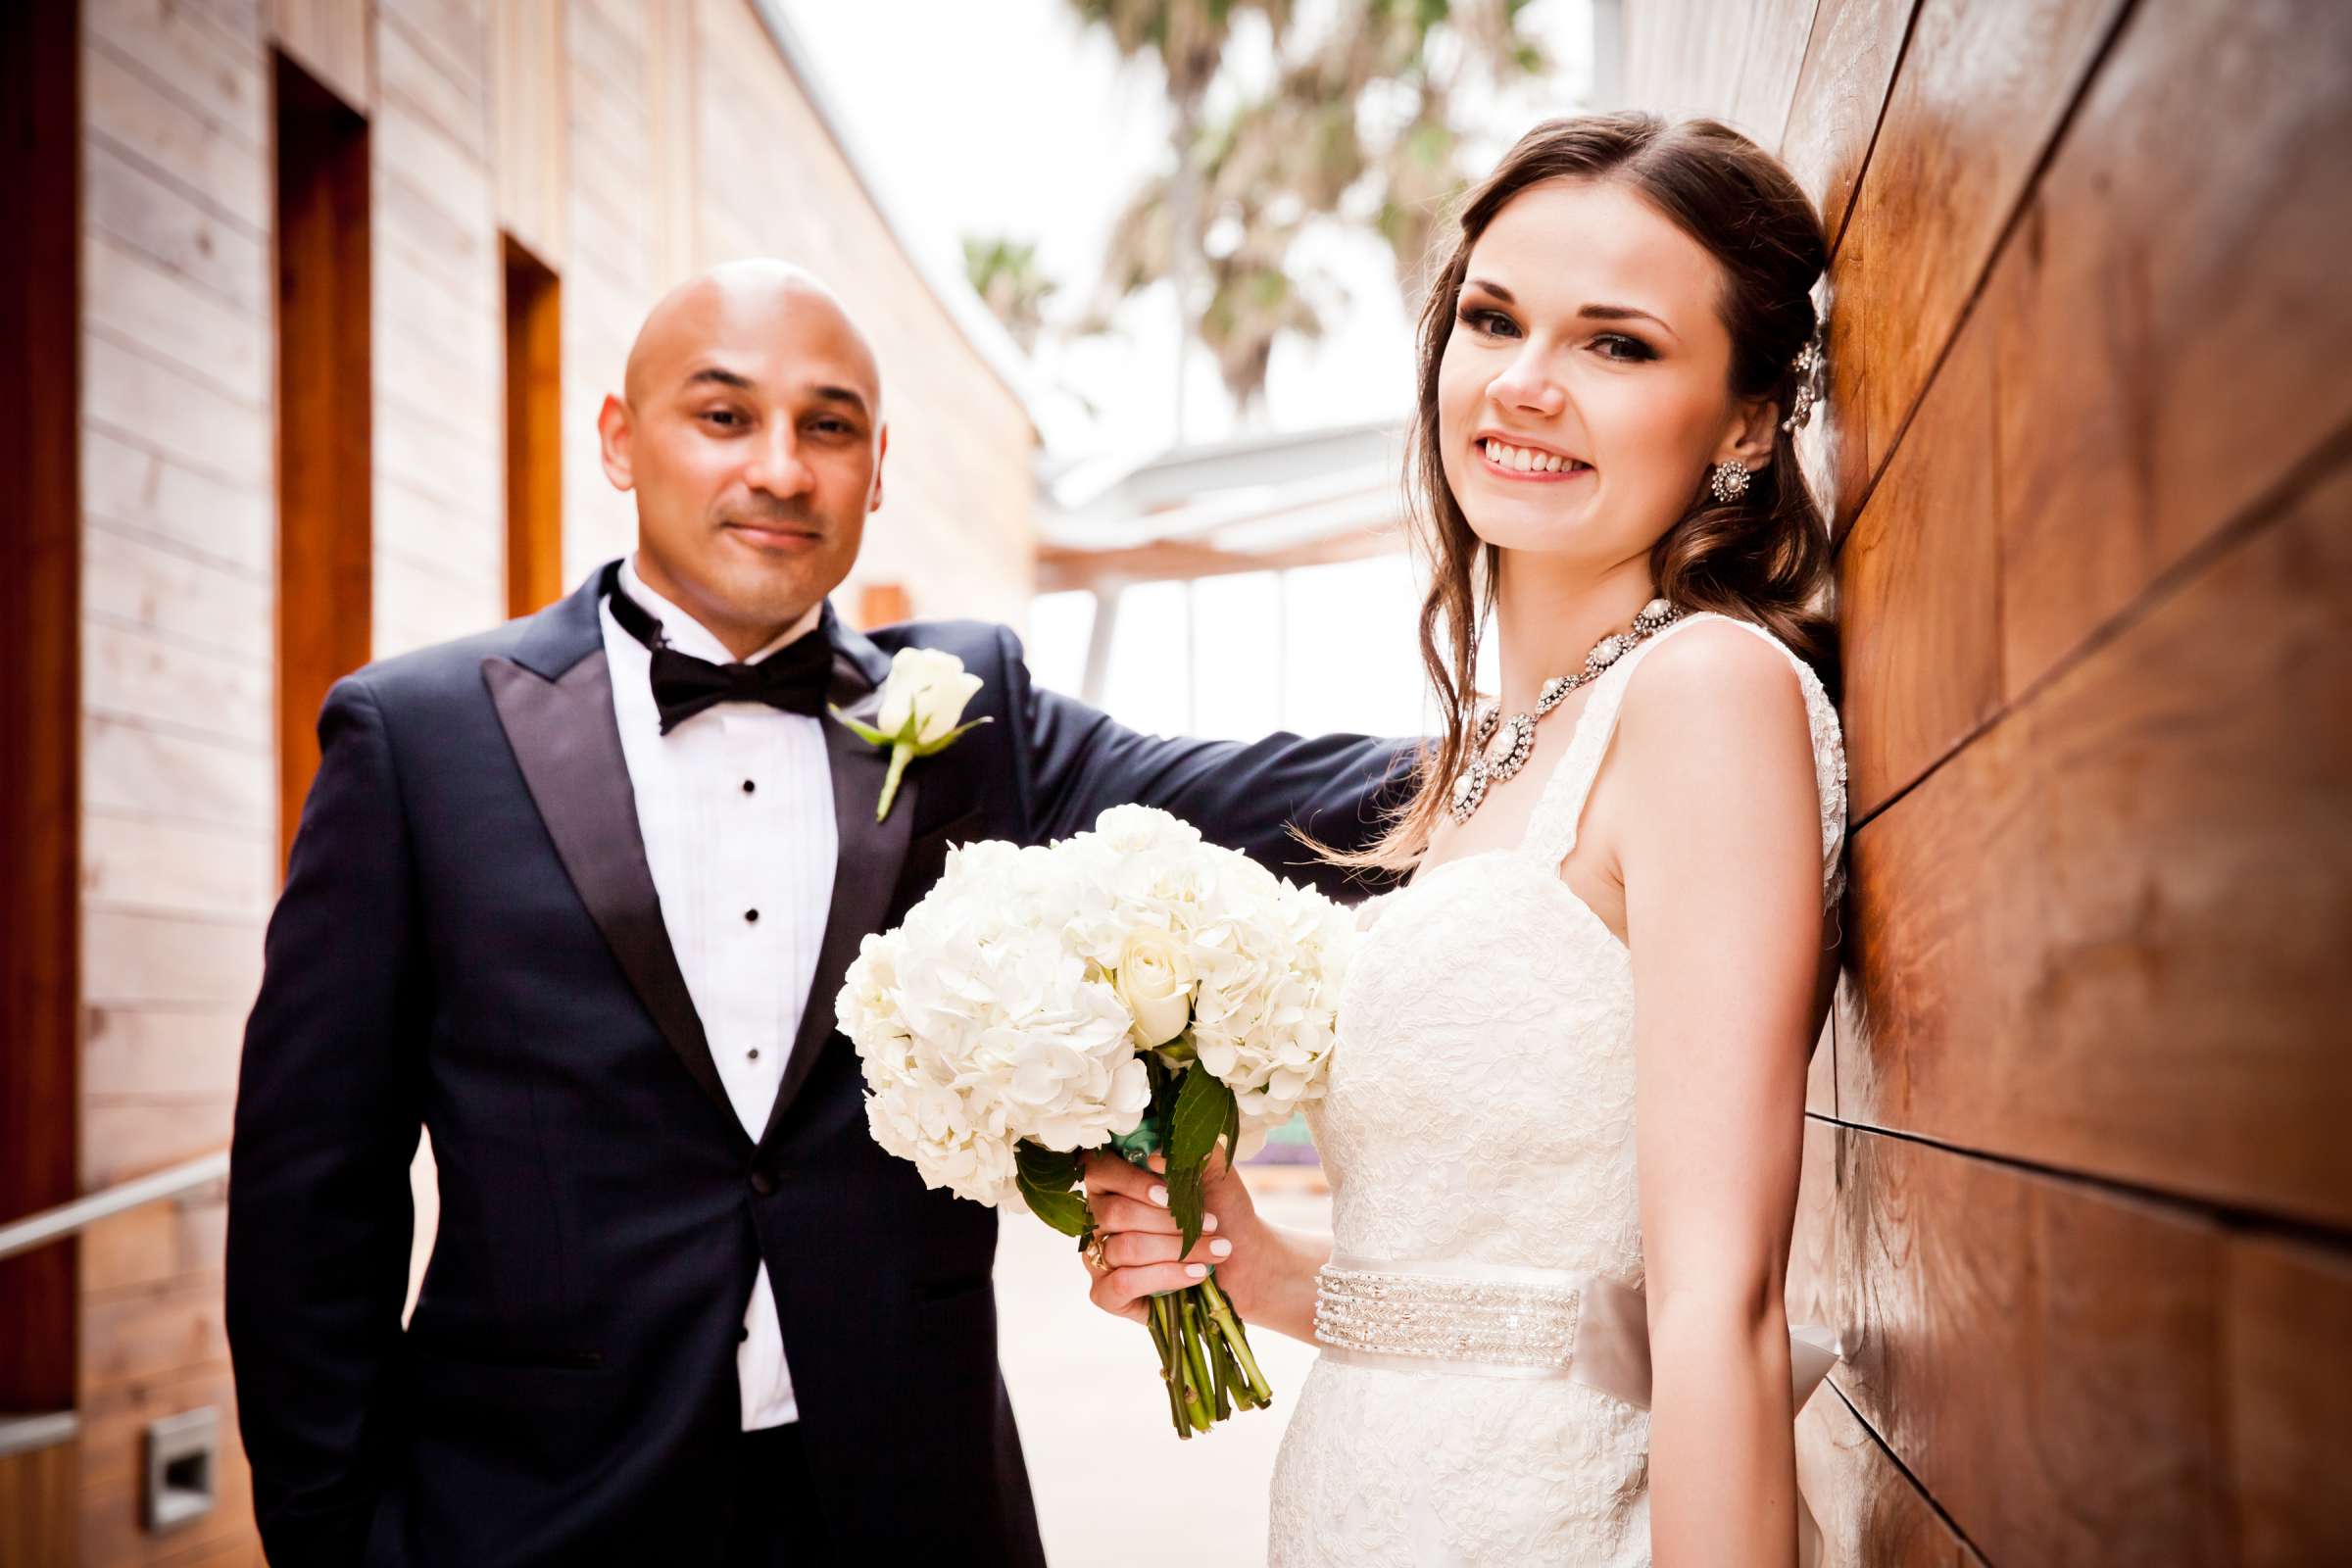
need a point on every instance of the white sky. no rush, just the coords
(1012, 118)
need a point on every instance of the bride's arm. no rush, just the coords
(1721, 861)
(1266, 1270)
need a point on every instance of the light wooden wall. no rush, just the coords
(2079, 1155)
(178, 519)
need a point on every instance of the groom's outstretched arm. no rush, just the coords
(1245, 795)
(328, 1109)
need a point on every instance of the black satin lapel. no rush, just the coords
(866, 872)
(568, 746)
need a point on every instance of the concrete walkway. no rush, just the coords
(1115, 1489)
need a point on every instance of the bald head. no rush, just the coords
(740, 303)
(750, 430)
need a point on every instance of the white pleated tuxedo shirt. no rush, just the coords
(736, 808)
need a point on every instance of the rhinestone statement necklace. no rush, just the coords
(1500, 745)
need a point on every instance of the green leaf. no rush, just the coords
(1045, 1178)
(1204, 1105)
(929, 748)
(863, 731)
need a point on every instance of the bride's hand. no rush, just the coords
(1140, 1236)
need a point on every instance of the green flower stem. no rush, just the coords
(1196, 1361)
(1158, 1314)
(1220, 1312)
(899, 754)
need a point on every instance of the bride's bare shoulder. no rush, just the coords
(1718, 690)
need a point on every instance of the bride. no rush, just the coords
(1566, 1106)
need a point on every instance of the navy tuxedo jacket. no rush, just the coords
(469, 942)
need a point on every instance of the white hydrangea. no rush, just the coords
(999, 1011)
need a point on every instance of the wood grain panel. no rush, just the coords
(421, 73)
(192, 57)
(138, 862)
(40, 686)
(114, 1429)
(204, 158)
(36, 1506)
(136, 492)
(670, 140)
(421, 603)
(132, 766)
(534, 378)
(1870, 1513)
(131, 202)
(335, 42)
(2289, 1372)
(1992, 1343)
(142, 1332)
(428, 232)
(459, 467)
(138, 674)
(416, 144)
(2109, 935)
(165, 1048)
(1919, 589)
(140, 956)
(606, 43)
(123, 1138)
(1768, 75)
(428, 533)
(528, 51)
(144, 1245)
(134, 395)
(140, 302)
(131, 582)
(2175, 332)
(454, 30)
(1849, 63)
(1811, 1296)
(1979, 94)
(326, 400)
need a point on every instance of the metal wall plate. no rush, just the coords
(183, 1469)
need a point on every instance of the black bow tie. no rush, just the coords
(794, 677)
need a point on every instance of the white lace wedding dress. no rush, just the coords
(1480, 1128)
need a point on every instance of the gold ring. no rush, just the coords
(1092, 1251)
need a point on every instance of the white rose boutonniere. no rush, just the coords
(923, 698)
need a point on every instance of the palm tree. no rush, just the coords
(1006, 276)
(1244, 189)
(1187, 37)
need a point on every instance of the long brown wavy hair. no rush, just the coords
(1763, 558)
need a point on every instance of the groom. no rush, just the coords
(576, 897)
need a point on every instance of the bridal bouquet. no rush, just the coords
(1131, 988)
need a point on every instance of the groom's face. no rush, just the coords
(752, 435)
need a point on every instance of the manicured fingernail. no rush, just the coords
(1220, 1249)
(1159, 1196)
(1209, 1222)
(1196, 1271)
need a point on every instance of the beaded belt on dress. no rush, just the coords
(1497, 1320)
(1484, 1320)
(1504, 1322)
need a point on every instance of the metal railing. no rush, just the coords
(56, 1224)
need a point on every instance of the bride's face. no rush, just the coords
(1585, 390)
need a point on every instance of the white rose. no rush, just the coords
(1153, 983)
(928, 688)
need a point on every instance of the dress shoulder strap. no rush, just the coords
(1552, 828)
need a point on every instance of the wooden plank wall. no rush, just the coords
(179, 783)
(40, 693)
(2080, 1163)
(178, 517)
